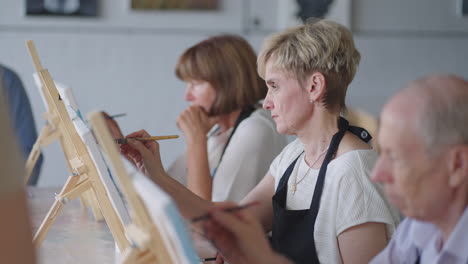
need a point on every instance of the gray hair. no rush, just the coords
(444, 116)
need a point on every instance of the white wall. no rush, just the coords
(123, 61)
(401, 40)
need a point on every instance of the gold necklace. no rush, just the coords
(296, 182)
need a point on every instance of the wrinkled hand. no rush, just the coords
(195, 123)
(238, 236)
(144, 154)
(113, 126)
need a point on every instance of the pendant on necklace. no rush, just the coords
(293, 188)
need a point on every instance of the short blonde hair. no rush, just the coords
(228, 63)
(318, 45)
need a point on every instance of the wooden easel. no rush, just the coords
(147, 243)
(84, 180)
(50, 133)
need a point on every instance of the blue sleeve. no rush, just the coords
(21, 117)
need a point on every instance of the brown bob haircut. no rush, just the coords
(228, 63)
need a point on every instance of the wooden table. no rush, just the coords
(76, 237)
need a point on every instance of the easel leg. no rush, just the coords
(47, 223)
(88, 199)
(137, 256)
(31, 162)
(110, 215)
(130, 256)
(53, 212)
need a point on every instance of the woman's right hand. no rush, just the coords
(144, 154)
(116, 133)
(195, 123)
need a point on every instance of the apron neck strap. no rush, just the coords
(343, 125)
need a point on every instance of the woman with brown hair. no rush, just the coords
(231, 140)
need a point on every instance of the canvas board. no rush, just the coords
(104, 172)
(166, 217)
(86, 135)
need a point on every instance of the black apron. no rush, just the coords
(293, 230)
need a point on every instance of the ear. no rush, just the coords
(316, 86)
(458, 166)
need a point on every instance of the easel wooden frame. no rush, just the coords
(48, 135)
(51, 132)
(147, 244)
(84, 180)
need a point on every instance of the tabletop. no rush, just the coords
(75, 237)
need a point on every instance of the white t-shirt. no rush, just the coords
(247, 159)
(349, 198)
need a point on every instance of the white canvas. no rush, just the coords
(66, 93)
(166, 217)
(107, 179)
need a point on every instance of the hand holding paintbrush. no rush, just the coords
(119, 137)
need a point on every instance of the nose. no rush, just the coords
(382, 172)
(188, 96)
(268, 103)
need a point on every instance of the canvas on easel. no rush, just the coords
(105, 175)
(51, 132)
(85, 174)
(157, 232)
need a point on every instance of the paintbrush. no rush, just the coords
(227, 210)
(125, 140)
(115, 116)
